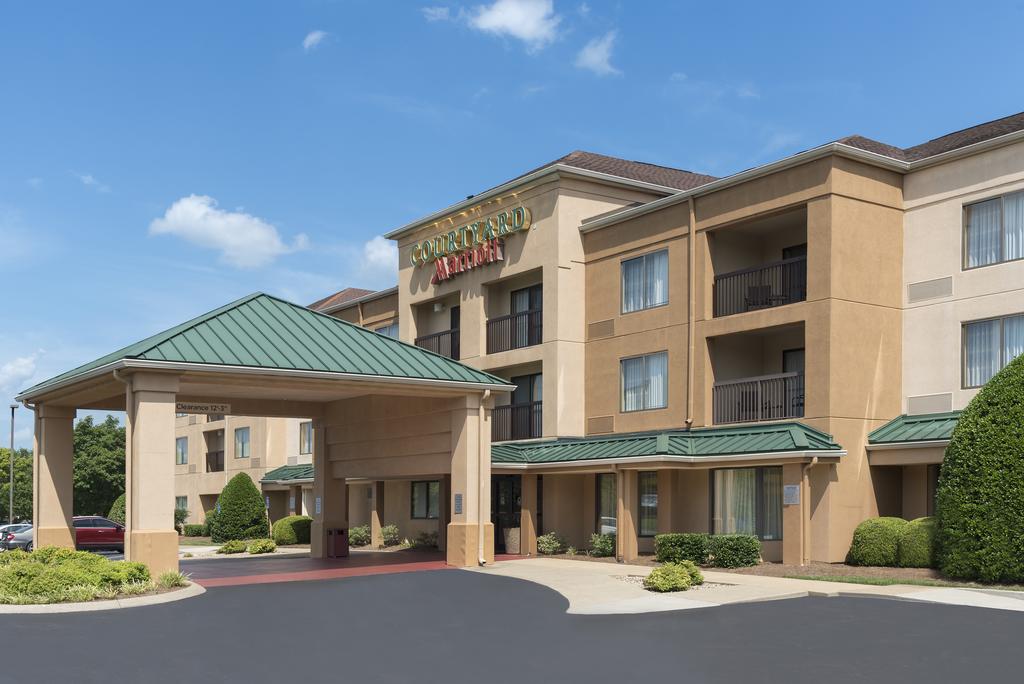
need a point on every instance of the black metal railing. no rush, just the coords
(514, 331)
(761, 287)
(769, 397)
(445, 343)
(214, 461)
(517, 421)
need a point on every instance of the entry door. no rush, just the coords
(506, 506)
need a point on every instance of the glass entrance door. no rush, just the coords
(506, 506)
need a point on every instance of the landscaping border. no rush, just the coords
(192, 590)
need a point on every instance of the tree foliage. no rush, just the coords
(22, 484)
(241, 512)
(99, 465)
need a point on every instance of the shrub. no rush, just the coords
(424, 540)
(359, 535)
(668, 577)
(241, 512)
(734, 550)
(293, 529)
(571, 550)
(262, 546)
(232, 546)
(602, 545)
(196, 530)
(680, 546)
(55, 580)
(210, 516)
(876, 542)
(180, 516)
(389, 533)
(549, 544)
(696, 576)
(917, 544)
(117, 510)
(52, 575)
(172, 579)
(980, 497)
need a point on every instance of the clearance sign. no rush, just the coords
(474, 244)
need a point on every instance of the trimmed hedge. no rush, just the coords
(549, 544)
(292, 529)
(734, 550)
(602, 545)
(668, 577)
(241, 511)
(117, 510)
(359, 535)
(917, 544)
(683, 546)
(980, 498)
(876, 541)
(193, 530)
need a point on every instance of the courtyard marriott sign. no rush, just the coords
(471, 245)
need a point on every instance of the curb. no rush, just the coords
(188, 592)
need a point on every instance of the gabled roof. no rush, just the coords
(709, 443)
(347, 295)
(261, 331)
(289, 473)
(623, 168)
(925, 427)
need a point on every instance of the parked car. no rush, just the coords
(13, 528)
(94, 532)
(17, 540)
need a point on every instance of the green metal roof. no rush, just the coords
(701, 443)
(925, 427)
(289, 472)
(261, 331)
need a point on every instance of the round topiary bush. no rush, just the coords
(668, 577)
(293, 529)
(241, 512)
(917, 544)
(980, 498)
(117, 510)
(876, 542)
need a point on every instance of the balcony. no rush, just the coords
(517, 421)
(214, 461)
(514, 331)
(445, 343)
(768, 397)
(761, 287)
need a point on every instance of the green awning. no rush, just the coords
(288, 473)
(261, 331)
(700, 443)
(925, 427)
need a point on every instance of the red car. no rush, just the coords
(94, 532)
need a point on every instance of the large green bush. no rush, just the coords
(193, 530)
(359, 535)
(876, 542)
(51, 575)
(917, 544)
(668, 577)
(241, 512)
(980, 498)
(679, 546)
(293, 529)
(734, 550)
(602, 545)
(549, 544)
(117, 510)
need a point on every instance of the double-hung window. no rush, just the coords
(747, 501)
(242, 442)
(994, 230)
(181, 451)
(306, 437)
(644, 382)
(645, 281)
(425, 500)
(989, 345)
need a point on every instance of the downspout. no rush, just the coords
(479, 470)
(691, 310)
(805, 513)
(129, 450)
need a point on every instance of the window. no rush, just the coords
(181, 451)
(83, 522)
(645, 282)
(425, 500)
(606, 504)
(389, 330)
(645, 382)
(181, 503)
(242, 442)
(994, 230)
(989, 345)
(180, 415)
(306, 437)
(647, 485)
(747, 501)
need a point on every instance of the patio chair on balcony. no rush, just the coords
(758, 297)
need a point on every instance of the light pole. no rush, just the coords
(10, 490)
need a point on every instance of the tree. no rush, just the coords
(117, 510)
(980, 494)
(99, 465)
(241, 513)
(22, 484)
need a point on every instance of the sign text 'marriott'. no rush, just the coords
(471, 245)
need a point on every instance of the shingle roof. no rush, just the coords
(289, 473)
(261, 331)
(346, 295)
(701, 443)
(925, 427)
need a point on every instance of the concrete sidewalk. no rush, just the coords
(596, 588)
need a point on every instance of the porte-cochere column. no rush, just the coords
(52, 482)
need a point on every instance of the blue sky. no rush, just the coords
(158, 161)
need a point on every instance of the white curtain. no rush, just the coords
(645, 281)
(771, 502)
(981, 358)
(983, 232)
(657, 380)
(632, 285)
(1013, 226)
(735, 493)
(645, 382)
(657, 278)
(633, 383)
(1013, 338)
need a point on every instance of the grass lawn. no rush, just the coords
(196, 541)
(888, 581)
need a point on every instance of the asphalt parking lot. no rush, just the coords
(460, 627)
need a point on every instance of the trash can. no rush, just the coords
(337, 543)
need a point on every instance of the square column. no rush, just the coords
(666, 479)
(149, 535)
(625, 524)
(795, 549)
(444, 513)
(470, 532)
(295, 500)
(528, 516)
(330, 496)
(52, 481)
(376, 515)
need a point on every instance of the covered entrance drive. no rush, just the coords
(380, 409)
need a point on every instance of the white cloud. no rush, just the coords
(532, 21)
(15, 374)
(597, 54)
(436, 13)
(381, 255)
(90, 181)
(244, 241)
(313, 39)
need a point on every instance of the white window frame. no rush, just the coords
(247, 446)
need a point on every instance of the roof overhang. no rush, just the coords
(923, 452)
(667, 460)
(923, 444)
(359, 300)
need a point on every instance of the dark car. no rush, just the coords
(94, 532)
